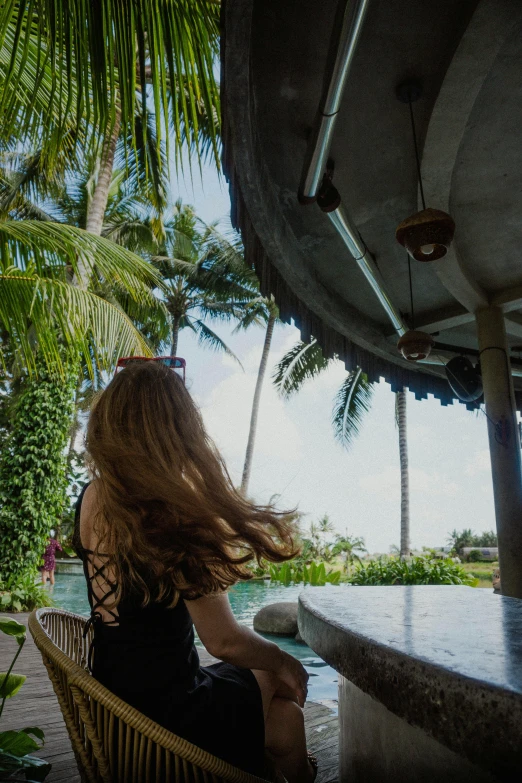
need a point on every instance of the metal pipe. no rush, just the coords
(349, 37)
(351, 30)
(367, 265)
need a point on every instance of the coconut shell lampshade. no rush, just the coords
(415, 345)
(426, 235)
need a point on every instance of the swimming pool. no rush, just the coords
(246, 599)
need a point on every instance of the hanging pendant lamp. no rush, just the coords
(426, 235)
(415, 345)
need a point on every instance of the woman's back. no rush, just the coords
(153, 640)
(162, 533)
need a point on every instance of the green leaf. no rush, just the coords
(34, 769)
(302, 362)
(9, 686)
(13, 628)
(352, 402)
(333, 577)
(19, 743)
(36, 732)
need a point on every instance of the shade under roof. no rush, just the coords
(277, 58)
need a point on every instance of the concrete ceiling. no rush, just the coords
(467, 56)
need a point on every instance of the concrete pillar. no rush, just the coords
(504, 445)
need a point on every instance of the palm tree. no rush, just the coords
(62, 61)
(305, 361)
(72, 79)
(203, 280)
(41, 259)
(261, 311)
(349, 546)
(400, 418)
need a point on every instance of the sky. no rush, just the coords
(296, 456)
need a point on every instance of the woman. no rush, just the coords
(49, 559)
(163, 534)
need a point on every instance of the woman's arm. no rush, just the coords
(226, 639)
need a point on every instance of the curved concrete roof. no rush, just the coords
(277, 57)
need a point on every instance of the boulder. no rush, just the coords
(278, 619)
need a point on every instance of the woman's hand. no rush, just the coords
(293, 674)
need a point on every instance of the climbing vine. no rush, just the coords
(32, 469)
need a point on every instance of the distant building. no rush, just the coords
(487, 552)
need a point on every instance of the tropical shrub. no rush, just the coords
(475, 556)
(314, 574)
(22, 594)
(32, 470)
(15, 746)
(467, 538)
(417, 571)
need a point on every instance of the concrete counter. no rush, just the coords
(431, 680)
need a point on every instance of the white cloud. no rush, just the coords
(481, 463)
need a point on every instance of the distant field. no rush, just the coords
(481, 571)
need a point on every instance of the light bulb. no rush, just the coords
(427, 250)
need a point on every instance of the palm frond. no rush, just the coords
(224, 253)
(46, 244)
(353, 400)
(255, 313)
(51, 313)
(210, 339)
(145, 163)
(36, 98)
(99, 54)
(302, 362)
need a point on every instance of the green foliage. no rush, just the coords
(10, 684)
(314, 574)
(22, 594)
(62, 62)
(205, 280)
(352, 403)
(32, 471)
(37, 298)
(475, 556)
(11, 627)
(467, 538)
(15, 746)
(417, 571)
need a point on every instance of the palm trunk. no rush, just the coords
(175, 337)
(255, 405)
(405, 492)
(98, 205)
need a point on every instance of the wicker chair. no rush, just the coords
(113, 742)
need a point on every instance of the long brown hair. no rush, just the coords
(167, 513)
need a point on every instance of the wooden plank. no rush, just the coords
(36, 705)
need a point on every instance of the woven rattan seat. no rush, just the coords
(112, 741)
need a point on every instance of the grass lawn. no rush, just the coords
(481, 571)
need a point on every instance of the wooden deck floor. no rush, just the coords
(36, 705)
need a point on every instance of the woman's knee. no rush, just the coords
(284, 726)
(268, 684)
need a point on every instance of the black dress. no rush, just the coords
(146, 656)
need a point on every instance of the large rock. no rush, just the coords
(279, 619)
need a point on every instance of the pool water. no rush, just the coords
(246, 598)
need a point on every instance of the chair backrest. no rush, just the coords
(112, 741)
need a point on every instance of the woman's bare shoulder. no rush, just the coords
(87, 513)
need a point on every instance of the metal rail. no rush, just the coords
(351, 30)
(367, 265)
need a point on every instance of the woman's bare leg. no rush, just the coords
(51, 577)
(44, 577)
(285, 738)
